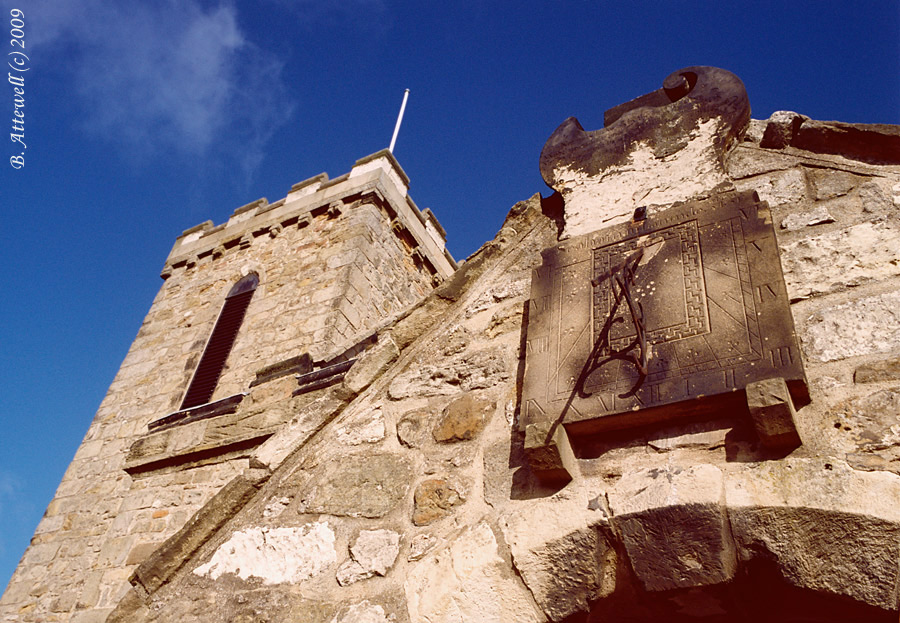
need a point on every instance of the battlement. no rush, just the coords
(377, 178)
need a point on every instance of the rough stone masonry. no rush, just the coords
(367, 456)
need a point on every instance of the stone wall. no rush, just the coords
(415, 503)
(838, 226)
(402, 491)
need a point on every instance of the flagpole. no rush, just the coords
(399, 119)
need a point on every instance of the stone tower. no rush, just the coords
(293, 288)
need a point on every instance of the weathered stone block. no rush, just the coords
(468, 581)
(479, 370)
(371, 364)
(838, 259)
(704, 435)
(362, 428)
(870, 422)
(412, 428)
(373, 553)
(748, 161)
(778, 187)
(463, 419)
(828, 527)
(674, 526)
(275, 555)
(772, 412)
(864, 326)
(550, 456)
(799, 220)
(420, 545)
(780, 129)
(829, 183)
(41, 553)
(359, 485)
(561, 549)
(434, 499)
(874, 197)
(879, 371)
(868, 142)
(63, 603)
(140, 552)
(505, 320)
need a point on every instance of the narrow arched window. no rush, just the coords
(206, 377)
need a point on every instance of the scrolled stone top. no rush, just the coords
(661, 148)
(665, 119)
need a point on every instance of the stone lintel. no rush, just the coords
(324, 377)
(301, 364)
(205, 453)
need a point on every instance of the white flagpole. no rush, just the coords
(399, 119)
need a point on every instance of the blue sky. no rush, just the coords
(143, 119)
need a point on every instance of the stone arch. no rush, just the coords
(809, 540)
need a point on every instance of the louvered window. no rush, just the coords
(220, 342)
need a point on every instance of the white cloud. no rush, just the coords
(12, 506)
(165, 77)
(368, 13)
(9, 485)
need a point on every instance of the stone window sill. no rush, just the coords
(224, 406)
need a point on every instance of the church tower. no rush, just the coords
(282, 291)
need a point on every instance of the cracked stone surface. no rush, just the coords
(373, 553)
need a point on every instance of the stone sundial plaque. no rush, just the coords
(671, 315)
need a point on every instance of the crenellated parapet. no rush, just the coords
(375, 180)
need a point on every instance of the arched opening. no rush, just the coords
(206, 377)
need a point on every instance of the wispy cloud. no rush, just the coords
(166, 77)
(9, 485)
(12, 505)
(314, 13)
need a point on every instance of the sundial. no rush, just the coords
(659, 317)
(672, 310)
